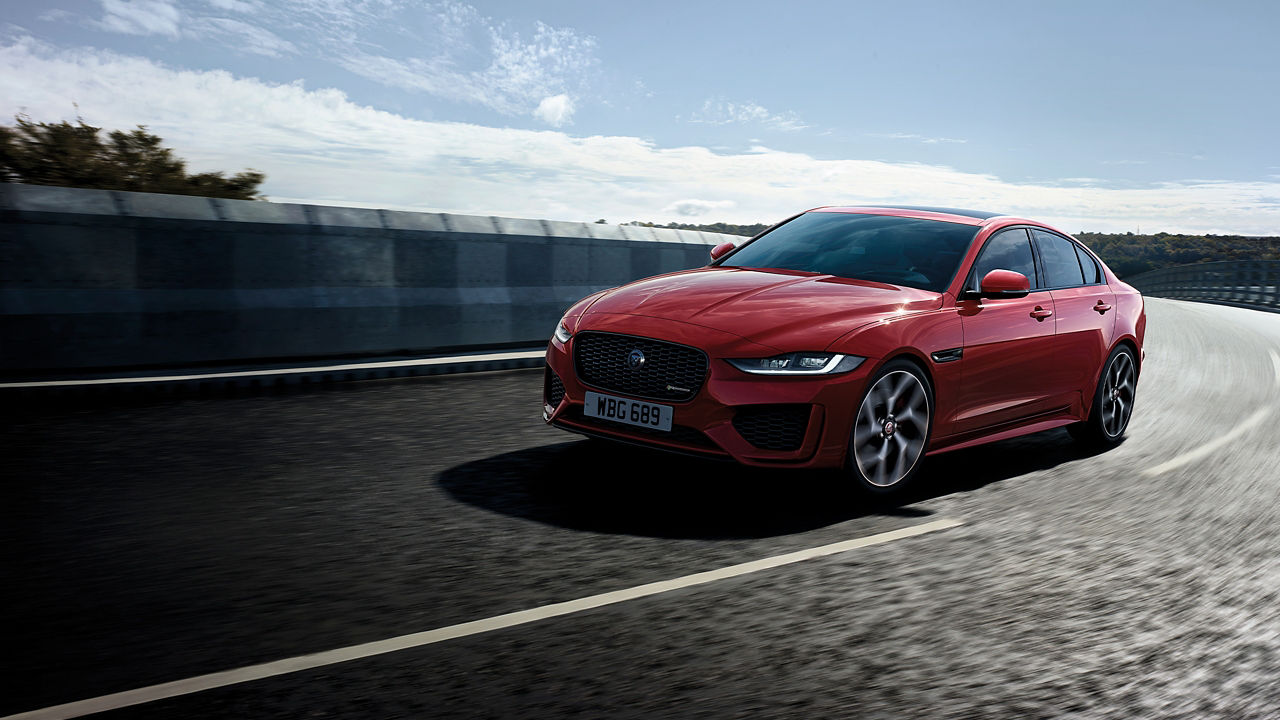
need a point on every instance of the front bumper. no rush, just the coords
(705, 425)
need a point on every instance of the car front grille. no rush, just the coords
(668, 371)
(772, 427)
(553, 388)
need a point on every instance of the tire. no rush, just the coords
(1112, 402)
(891, 428)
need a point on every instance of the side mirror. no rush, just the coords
(1005, 284)
(721, 250)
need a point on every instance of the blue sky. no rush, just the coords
(1095, 116)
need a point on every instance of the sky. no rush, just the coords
(1095, 116)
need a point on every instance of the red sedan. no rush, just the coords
(857, 337)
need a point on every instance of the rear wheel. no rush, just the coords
(1112, 401)
(891, 428)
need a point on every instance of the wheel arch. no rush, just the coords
(915, 359)
(912, 356)
(1128, 341)
(1132, 343)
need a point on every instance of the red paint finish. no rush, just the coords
(1007, 350)
(999, 366)
(1005, 281)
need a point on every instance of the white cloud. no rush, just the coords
(556, 110)
(58, 15)
(446, 49)
(319, 146)
(240, 6)
(693, 207)
(163, 17)
(244, 36)
(918, 138)
(1124, 162)
(141, 17)
(469, 58)
(717, 111)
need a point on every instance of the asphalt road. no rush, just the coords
(156, 540)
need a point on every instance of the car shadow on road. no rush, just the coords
(612, 488)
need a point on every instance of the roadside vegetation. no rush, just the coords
(79, 155)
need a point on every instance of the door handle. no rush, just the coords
(1040, 313)
(1102, 308)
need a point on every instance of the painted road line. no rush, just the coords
(200, 683)
(421, 362)
(1221, 441)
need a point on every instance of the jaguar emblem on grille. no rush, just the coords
(635, 359)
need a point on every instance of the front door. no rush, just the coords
(1008, 343)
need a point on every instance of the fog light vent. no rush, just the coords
(553, 389)
(772, 427)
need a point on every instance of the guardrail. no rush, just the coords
(101, 280)
(1252, 283)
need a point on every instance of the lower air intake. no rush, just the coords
(772, 427)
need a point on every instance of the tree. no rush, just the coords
(723, 228)
(76, 155)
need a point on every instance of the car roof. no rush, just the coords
(924, 212)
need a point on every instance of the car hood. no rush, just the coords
(784, 309)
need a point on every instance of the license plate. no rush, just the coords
(631, 412)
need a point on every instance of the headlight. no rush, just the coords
(799, 363)
(562, 333)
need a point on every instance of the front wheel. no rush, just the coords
(1112, 402)
(891, 429)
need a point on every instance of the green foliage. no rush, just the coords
(76, 155)
(1128, 254)
(725, 228)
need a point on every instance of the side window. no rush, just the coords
(1007, 250)
(1058, 256)
(1092, 273)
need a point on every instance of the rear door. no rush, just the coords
(1083, 307)
(1007, 342)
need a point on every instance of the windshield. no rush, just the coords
(916, 253)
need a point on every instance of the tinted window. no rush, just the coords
(1058, 256)
(916, 253)
(1092, 273)
(1007, 250)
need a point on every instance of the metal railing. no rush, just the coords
(1251, 283)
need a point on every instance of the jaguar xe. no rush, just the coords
(862, 338)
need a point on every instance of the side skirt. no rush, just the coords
(1058, 417)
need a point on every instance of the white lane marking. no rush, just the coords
(524, 355)
(1212, 446)
(200, 683)
(1217, 443)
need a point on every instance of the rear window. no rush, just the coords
(1092, 273)
(1061, 263)
(916, 253)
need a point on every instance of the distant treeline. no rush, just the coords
(1125, 253)
(1128, 254)
(726, 228)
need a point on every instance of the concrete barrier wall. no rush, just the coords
(104, 279)
(1246, 283)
